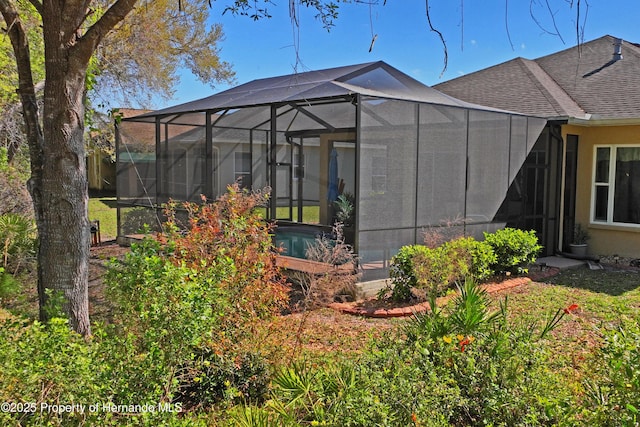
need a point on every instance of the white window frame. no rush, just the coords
(611, 184)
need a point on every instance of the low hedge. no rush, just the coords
(434, 270)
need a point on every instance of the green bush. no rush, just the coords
(45, 365)
(188, 294)
(514, 249)
(172, 307)
(470, 257)
(436, 269)
(212, 378)
(402, 271)
(201, 290)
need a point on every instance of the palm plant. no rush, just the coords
(471, 309)
(470, 314)
(345, 209)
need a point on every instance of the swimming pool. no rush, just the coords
(294, 240)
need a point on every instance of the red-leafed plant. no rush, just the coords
(230, 231)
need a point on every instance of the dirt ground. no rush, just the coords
(100, 255)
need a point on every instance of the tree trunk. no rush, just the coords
(61, 200)
(61, 195)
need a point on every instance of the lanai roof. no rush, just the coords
(584, 82)
(374, 79)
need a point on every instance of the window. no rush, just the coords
(242, 168)
(616, 185)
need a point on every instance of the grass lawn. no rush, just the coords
(310, 214)
(103, 209)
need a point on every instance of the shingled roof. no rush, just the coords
(585, 82)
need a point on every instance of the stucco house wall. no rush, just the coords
(623, 240)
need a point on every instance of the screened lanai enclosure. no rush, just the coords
(406, 156)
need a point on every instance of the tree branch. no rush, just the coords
(37, 4)
(506, 22)
(20, 43)
(555, 32)
(26, 91)
(580, 26)
(94, 35)
(444, 43)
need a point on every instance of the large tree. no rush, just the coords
(136, 63)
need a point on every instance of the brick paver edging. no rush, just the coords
(424, 306)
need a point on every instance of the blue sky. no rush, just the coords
(476, 37)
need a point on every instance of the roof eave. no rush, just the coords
(593, 121)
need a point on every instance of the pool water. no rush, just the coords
(294, 242)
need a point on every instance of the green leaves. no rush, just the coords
(514, 249)
(436, 269)
(471, 312)
(17, 240)
(615, 399)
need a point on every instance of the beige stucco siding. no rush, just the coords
(623, 240)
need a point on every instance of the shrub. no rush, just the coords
(447, 230)
(173, 307)
(139, 220)
(470, 257)
(213, 378)
(436, 269)
(345, 209)
(320, 290)
(49, 364)
(230, 243)
(514, 249)
(331, 249)
(402, 271)
(199, 290)
(469, 314)
(46, 364)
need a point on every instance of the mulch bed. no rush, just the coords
(385, 309)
